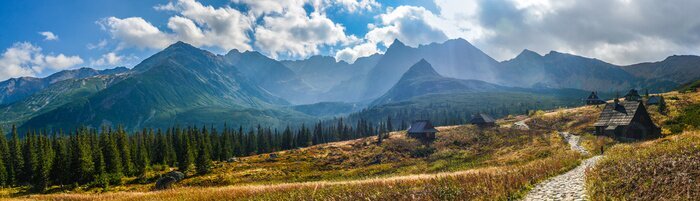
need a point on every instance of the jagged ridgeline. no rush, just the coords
(446, 82)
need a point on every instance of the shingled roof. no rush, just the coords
(481, 118)
(422, 126)
(653, 100)
(618, 114)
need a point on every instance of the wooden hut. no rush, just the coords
(633, 95)
(593, 99)
(654, 100)
(482, 120)
(628, 119)
(422, 129)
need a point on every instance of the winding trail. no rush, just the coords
(570, 185)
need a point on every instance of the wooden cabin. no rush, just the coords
(633, 95)
(482, 120)
(654, 100)
(628, 119)
(422, 129)
(593, 99)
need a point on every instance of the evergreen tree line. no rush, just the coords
(103, 157)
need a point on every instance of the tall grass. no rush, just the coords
(502, 183)
(664, 169)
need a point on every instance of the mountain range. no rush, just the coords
(185, 85)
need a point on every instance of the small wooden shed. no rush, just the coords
(633, 95)
(593, 99)
(482, 120)
(422, 129)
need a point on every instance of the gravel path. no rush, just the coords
(570, 185)
(574, 140)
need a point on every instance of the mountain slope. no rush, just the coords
(54, 96)
(456, 58)
(179, 85)
(560, 70)
(421, 79)
(324, 72)
(15, 89)
(676, 69)
(271, 75)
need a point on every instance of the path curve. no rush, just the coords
(570, 185)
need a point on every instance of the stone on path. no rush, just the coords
(568, 186)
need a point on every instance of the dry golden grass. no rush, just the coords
(499, 183)
(663, 169)
(464, 161)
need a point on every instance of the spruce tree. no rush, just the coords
(142, 161)
(4, 156)
(112, 159)
(82, 165)
(124, 151)
(203, 163)
(16, 161)
(30, 158)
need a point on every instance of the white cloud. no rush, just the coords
(136, 32)
(25, 59)
(410, 24)
(351, 54)
(98, 46)
(49, 35)
(617, 31)
(358, 5)
(109, 59)
(297, 34)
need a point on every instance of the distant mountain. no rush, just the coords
(15, 89)
(676, 69)
(328, 109)
(560, 70)
(421, 79)
(179, 85)
(456, 58)
(272, 76)
(54, 96)
(324, 72)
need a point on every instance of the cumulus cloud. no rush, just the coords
(25, 59)
(410, 24)
(110, 58)
(49, 35)
(617, 31)
(99, 45)
(204, 26)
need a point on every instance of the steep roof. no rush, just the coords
(633, 94)
(422, 126)
(653, 100)
(481, 118)
(618, 114)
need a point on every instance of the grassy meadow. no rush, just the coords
(662, 169)
(463, 162)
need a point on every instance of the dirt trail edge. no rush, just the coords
(570, 185)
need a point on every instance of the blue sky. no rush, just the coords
(42, 37)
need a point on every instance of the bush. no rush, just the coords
(165, 182)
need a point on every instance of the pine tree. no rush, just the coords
(3, 152)
(60, 172)
(389, 128)
(30, 160)
(142, 160)
(112, 159)
(16, 161)
(4, 155)
(203, 163)
(124, 151)
(43, 169)
(185, 156)
(82, 165)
